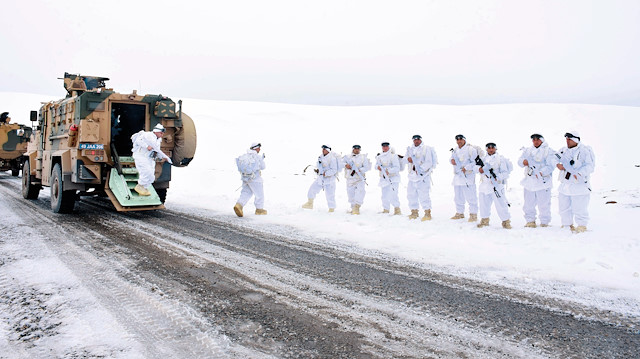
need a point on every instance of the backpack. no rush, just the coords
(135, 136)
(481, 151)
(340, 163)
(247, 164)
(509, 164)
(401, 161)
(591, 155)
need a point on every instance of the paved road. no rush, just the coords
(178, 279)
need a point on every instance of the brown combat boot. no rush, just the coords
(356, 209)
(141, 190)
(458, 216)
(579, 229)
(238, 209)
(484, 222)
(308, 204)
(414, 214)
(506, 224)
(427, 215)
(530, 225)
(331, 210)
(261, 211)
(397, 212)
(385, 211)
(473, 217)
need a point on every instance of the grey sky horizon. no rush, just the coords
(332, 52)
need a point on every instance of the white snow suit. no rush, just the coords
(537, 181)
(327, 170)
(389, 165)
(574, 192)
(252, 184)
(464, 184)
(424, 162)
(491, 189)
(145, 164)
(355, 176)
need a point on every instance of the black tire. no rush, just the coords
(61, 201)
(162, 193)
(29, 190)
(15, 172)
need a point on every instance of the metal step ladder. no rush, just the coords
(121, 188)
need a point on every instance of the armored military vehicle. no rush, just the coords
(13, 144)
(82, 145)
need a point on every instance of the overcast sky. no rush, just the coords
(331, 52)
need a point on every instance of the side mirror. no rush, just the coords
(34, 116)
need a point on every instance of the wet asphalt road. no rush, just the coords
(289, 298)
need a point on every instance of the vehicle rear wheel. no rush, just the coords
(61, 201)
(29, 190)
(162, 193)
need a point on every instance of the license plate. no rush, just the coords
(91, 146)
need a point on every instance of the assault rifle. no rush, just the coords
(530, 168)
(566, 163)
(382, 171)
(159, 155)
(355, 169)
(458, 165)
(492, 177)
(319, 168)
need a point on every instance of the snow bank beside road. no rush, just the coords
(597, 268)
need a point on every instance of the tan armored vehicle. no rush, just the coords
(82, 145)
(13, 144)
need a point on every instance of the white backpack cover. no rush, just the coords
(247, 164)
(481, 151)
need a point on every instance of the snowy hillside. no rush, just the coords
(598, 268)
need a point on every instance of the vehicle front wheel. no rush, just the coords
(29, 190)
(61, 201)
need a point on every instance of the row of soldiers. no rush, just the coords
(575, 163)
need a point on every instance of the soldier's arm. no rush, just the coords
(587, 165)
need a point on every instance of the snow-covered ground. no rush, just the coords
(599, 268)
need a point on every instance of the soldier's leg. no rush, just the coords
(258, 192)
(544, 205)
(330, 194)
(458, 198)
(501, 206)
(359, 193)
(580, 208)
(529, 207)
(245, 194)
(146, 170)
(564, 207)
(386, 196)
(395, 197)
(351, 192)
(314, 189)
(485, 204)
(412, 195)
(471, 196)
(424, 189)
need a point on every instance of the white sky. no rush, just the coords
(331, 52)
